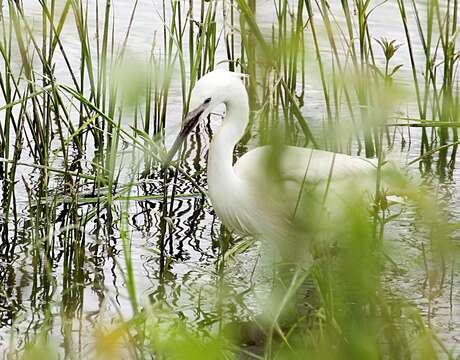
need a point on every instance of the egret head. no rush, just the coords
(213, 89)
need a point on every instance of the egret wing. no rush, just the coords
(299, 165)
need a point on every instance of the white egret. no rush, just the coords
(246, 196)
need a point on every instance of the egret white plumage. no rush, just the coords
(246, 196)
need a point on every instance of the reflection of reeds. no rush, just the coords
(83, 133)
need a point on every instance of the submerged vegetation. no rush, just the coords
(104, 255)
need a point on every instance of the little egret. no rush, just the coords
(248, 197)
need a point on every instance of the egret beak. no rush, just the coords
(187, 126)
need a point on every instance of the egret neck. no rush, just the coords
(221, 176)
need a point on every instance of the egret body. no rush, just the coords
(248, 197)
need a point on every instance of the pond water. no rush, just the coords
(176, 261)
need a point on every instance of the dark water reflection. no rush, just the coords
(62, 259)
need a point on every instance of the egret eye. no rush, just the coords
(207, 101)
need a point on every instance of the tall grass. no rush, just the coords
(436, 100)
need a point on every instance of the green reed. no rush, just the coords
(436, 99)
